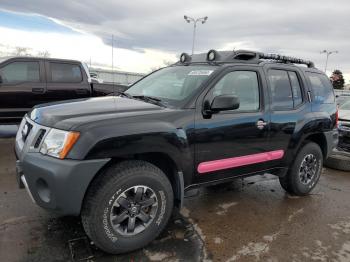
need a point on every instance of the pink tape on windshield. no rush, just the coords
(226, 163)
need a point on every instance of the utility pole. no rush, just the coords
(328, 53)
(195, 21)
(112, 59)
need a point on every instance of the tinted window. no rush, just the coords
(65, 73)
(321, 88)
(20, 72)
(280, 90)
(244, 85)
(296, 89)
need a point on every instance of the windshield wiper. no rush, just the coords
(125, 95)
(150, 99)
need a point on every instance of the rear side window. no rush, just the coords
(285, 89)
(322, 89)
(16, 72)
(244, 85)
(281, 91)
(65, 73)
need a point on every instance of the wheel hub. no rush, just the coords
(134, 210)
(308, 169)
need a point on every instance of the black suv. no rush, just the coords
(123, 162)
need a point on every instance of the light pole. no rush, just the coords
(328, 53)
(189, 20)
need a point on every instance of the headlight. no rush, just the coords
(58, 143)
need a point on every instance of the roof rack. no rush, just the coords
(286, 59)
(239, 56)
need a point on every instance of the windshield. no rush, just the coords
(345, 106)
(172, 84)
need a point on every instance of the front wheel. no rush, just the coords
(127, 206)
(305, 171)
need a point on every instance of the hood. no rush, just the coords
(344, 114)
(64, 115)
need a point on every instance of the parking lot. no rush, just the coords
(250, 220)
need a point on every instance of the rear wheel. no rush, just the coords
(305, 171)
(127, 206)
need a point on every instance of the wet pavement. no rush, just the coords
(248, 220)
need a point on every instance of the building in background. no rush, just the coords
(115, 76)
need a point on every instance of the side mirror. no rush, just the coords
(224, 102)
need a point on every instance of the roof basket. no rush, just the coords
(286, 59)
(239, 56)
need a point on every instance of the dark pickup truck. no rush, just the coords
(28, 81)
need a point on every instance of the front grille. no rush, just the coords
(40, 138)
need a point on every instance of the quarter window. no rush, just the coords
(16, 72)
(296, 89)
(244, 85)
(65, 73)
(321, 88)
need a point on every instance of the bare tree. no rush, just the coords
(44, 53)
(22, 51)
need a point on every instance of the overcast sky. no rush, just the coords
(149, 32)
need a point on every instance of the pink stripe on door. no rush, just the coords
(232, 162)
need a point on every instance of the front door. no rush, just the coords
(235, 142)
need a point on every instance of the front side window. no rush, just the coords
(172, 84)
(65, 73)
(17, 72)
(321, 88)
(244, 85)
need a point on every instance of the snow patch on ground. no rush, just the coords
(185, 212)
(218, 240)
(158, 256)
(343, 226)
(294, 214)
(255, 249)
(224, 208)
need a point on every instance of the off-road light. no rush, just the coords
(184, 57)
(212, 55)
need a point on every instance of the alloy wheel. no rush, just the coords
(134, 210)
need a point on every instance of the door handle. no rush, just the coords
(261, 124)
(38, 90)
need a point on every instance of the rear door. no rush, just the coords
(66, 80)
(289, 108)
(23, 86)
(235, 142)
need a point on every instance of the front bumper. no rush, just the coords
(344, 139)
(54, 184)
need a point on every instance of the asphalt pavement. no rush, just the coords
(248, 220)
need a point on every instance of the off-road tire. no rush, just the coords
(339, 162)
(105, 189)
(291, 182)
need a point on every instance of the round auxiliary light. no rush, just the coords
(211, 55)
(184, 58)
